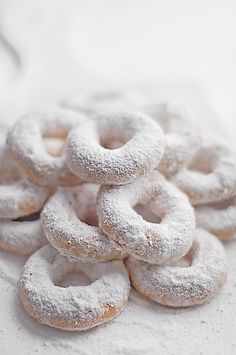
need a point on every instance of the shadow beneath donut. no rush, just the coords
(140, 300)
(136, 300)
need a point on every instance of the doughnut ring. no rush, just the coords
(177, 286)
(152, 242)
(69, 221)
(8, 170)
(210, 175)
(21, 198)
(182, 139)
(74, 307)
(143, 146)
(25, 144)
(218, 218)
(22, 236)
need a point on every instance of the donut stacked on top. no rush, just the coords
(110, 186)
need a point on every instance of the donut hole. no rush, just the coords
(88, 218)
(54, 146)
(203, 162)
(113, 140)
(84, 203)
(146, 212)
(29, 218)
(74, 278)
(185, 261)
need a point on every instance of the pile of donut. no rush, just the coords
(123, 192)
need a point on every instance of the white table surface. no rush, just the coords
(187, 50)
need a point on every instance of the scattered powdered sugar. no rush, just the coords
(184, 286)
(74, 307)
(143, 327)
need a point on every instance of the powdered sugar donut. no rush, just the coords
(22, 236)
(26, 146)
(143, 146)
(210, 175)
(153, 242)
(74, 307)
(218, 218)
(18, 196)
(21, 198)
(70, 224)
(182, 138)
(180, 286)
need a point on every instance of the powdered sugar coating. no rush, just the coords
(210, 175)
(74, 307)
(151, 242)
(22, 238)
(142, 149)
(8, 170)
(218, 218)
(26, 146)
(182, 138)
(65, 221)
(20, 198)
(180, 286)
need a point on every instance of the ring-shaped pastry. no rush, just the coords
(73, 307)
(22, 236)
(183, 286)
(182, 138)
(210, 176)
(25, 145)
(219, 218)
(152, 242)
(70, 225)
(143, 146)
